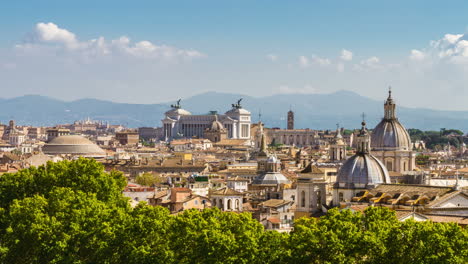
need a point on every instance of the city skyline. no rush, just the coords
(157, 52)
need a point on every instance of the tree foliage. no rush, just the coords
(437, 139)
(74, 212)
(148, 179)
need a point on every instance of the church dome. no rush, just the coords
(390, 134)
(216, 125)
(362, 170)
(73, 145)
(271, 178)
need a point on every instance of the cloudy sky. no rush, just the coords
(154, 51)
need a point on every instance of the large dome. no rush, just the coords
(389, 134)
(73, 145)
(361, 171)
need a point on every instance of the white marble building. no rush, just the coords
(180, 123)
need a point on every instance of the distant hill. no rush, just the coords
(316, 111)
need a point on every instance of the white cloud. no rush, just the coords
(51, 33)
(346, 55)
(272, 57)
(48, 37)
(417, 55)
(321, 61)
(340, 67)
(304, 62)
(371, 63)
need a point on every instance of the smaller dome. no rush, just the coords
(271, 178)
(361, 171)
(272, 159)
(216, 125)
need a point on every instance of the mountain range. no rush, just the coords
(315, 111)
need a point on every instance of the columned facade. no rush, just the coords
(179, 123)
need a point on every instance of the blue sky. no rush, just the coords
(250, 47)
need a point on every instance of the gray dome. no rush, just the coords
(73, 145)
(271, 178)
(361, 171)
(389, 134)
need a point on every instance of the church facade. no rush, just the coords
(180, 123)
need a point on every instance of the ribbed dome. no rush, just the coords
(389, 134)
(216, 125)
(271, 178)
(73, 145)
(362, 170)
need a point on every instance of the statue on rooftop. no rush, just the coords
(238, 105)
(177, 104)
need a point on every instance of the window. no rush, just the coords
(229, 204)
(303, 199)
(340, 197)
(389, 165)
(319, 199)
(245, 130)
(237, 204)
(196, 202)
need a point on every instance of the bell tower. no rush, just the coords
(290, 119)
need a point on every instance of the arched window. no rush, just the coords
(221, 203)
(229, 206)
(340, 197)
(237, 204)
(303, 198)
(405, 166)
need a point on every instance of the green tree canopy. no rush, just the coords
(74, 212)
